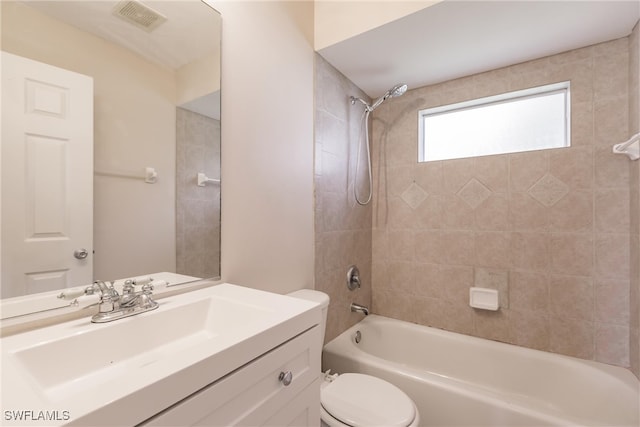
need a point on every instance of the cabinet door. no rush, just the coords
(254, 393)
(303, 410)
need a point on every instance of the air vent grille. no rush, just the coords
(138, 14)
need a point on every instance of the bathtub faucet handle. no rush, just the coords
(353, 278)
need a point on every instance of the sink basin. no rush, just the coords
(87, 368)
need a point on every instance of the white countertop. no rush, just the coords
(122, 372)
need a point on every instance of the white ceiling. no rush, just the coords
(192, 29)
(458, 38)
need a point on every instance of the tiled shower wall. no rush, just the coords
(634, 186)
(198, 208)
(550, 229)
(342, 227)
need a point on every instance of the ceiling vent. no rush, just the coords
(139, 15)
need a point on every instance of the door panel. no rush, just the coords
(47, 177)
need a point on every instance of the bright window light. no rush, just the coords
(525, 120)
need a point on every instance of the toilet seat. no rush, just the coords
(363, 400)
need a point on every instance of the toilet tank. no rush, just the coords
(315, 296)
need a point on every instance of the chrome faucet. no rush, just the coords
(357, 308)
(108, 295)
(113, 306)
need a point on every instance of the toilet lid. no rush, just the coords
(363, 400)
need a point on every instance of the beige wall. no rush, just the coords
(267, 144)
(550, 228)
(198, 78)
(343, 228)
(634, 186)
(338, 20)
(132, 232)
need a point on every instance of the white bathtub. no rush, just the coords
(458, 380)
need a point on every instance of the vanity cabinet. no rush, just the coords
(279, 388)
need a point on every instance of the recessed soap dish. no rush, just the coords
(484, 298)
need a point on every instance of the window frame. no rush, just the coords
(508, 97)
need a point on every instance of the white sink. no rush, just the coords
(100, 372)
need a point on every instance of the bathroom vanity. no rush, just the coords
(279, 388)
(223, 355)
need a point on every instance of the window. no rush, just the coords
(525, 120)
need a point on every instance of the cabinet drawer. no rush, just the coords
(254, 393)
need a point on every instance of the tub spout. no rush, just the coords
(357, 308)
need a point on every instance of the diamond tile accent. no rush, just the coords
(474, 193)
(414, 195)
(548, 190)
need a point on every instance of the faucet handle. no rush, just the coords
(128, 287)
(76, 292)
(353, 278)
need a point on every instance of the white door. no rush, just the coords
(47, 177)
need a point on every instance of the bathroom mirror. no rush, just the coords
(156, 115)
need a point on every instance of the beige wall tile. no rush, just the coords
(457, 247)
(490, 83)
(529, 292)
(582, 125)
(527, 214)
(612, 301)
(428, 247)
(399, 214)
(525, 169)
(612, 212)
(612, 255)
(611, 119)
(493, 171)
(457, 215)
(573, 337)
(529, 329)
(493, 213)
(572, 253)
(530, 251)
(430, 213)
(611, 74)
(401, 245)
(612, 344)
(343, 228)
(456, 173)
(573, 166)
(457, 318)
(457, 280)
(574, 212)
(197, 208)
(571, 297)
(492, 249)
(493, 325)
(430, 176)
(611, 170)
(401, 277)
(567, 254)
(428, 281)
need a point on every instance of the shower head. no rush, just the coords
(397, 90)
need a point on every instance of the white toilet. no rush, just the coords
(359, 400)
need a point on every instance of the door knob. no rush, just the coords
(81, 253)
